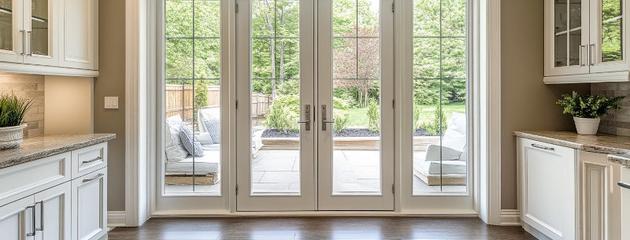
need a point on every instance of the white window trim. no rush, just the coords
(139, 173)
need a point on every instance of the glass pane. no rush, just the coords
(612, 31)
(439, 99)
(275, 98)
(426, 18)
(6, 25)
(344, 18)
(356, 100)
(192, 100)
(560, 15)
(39, 21)
(560, 47)
(207, 21)
(575, 41)
(575, 14)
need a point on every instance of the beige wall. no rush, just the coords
(111, 82)
(527, 104)
(69, 105)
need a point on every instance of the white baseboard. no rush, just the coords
(510, 217)
(116, 219)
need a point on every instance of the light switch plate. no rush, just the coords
(111, 102)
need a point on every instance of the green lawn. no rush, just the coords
(358, 116)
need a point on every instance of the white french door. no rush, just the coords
(315, 105)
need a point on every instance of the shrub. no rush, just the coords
(438, 124)
(284, 113)
(417, 111)
(13, 110)
(374, 116)
(342, 120)
(587, 106)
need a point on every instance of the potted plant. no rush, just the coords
(586, 110)
(12, 112)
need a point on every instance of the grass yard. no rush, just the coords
(358, 116)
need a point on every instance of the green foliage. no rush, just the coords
(342, 120)
(13, 110)
(374, 116)
(417, 112)
(590, 106)
(437, 125)
(284, 113)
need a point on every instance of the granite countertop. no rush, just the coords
(41, 147)
(617, 147)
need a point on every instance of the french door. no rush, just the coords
(315, 105)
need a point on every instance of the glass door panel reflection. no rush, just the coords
(611, 30)
(439, 131)
(192, 94)
(39, 36)
(6, 24)
(275, 97)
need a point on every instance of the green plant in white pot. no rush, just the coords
(12, 112)
(586, 110)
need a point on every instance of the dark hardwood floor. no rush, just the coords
(363, 228)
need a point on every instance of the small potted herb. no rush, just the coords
(12, 112)
(586, 110)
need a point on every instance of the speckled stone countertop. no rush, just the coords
(617, 147)
(41, 147)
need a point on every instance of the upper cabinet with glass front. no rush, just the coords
(53, 37)
(585, 41)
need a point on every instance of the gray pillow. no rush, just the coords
(214, 129)
(186, 136)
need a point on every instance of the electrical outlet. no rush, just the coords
(111, 102)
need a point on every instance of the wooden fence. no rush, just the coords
(179, 100)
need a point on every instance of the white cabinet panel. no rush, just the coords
(12, 33)
(625, 202)
(43, 30)
(89, 203)
(16, 220)
(80, 36)
(548, 188)
(53, 213)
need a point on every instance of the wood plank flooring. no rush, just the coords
(363, 228)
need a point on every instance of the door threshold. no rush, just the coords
(228, 214)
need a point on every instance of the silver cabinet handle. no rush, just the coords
(581, 60)
(33, 231)
(92, 179)
(542, 147)
(623, 185)
(41, 216)
(307, 115)
(92, 160)
(23, 42)
(325, 120)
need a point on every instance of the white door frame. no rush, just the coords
(487, 171)
(305, 200)
(327, 200)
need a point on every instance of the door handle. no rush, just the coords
(591, 52)
(41, 216)
(581, 60)
(23, 42)
(29, 37)
(307, 115)
(623, 185)
(94, 178)
(542, 147)
(325, 120)
(33, 231)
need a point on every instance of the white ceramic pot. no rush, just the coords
(586, 126)
(11, 137)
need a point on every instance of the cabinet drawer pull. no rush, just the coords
(623, 185)
(32, 233)
(92, 160)
(94, 178)
(543, 147)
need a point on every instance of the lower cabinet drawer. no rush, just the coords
(89, 205)
(88, 159)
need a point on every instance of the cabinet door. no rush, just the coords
(600, 197)
(53, 213)
(548, 188)
(566, 37)
(16, 220)
(42, 34)
(89, 205)
(625, 202)
(608, 36)
(12, 32)
(80, 34)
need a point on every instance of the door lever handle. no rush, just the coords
(307, 115)
(325, 120)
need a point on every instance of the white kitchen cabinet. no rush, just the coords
(549, 192)
(49, 37)
(53, 215)
(624, 187)
(601, 198)
(16, 220)
(89, 203)
(586, 41)
(80, 36)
